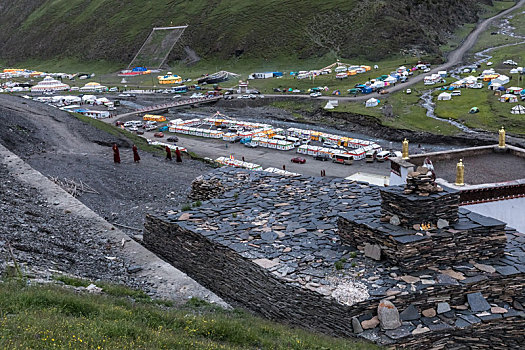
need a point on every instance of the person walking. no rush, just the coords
(168, 153)
(136, 157)
(116, 154)
(179, 156)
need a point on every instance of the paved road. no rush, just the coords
(273, 158)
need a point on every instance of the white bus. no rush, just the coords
(346, 159)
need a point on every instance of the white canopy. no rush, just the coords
(444, 96)
(519, 109)
(89, 98)
(329, 106)
(372, 102)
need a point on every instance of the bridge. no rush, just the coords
(180, 103)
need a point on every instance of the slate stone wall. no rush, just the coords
(413, 209)
(413, 251)
(497, 334)
(244, 283)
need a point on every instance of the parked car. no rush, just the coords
(172, 139)
(119, 123)
(409, 91)
(322, 157)
(426, 70)
(237, 139)
(158, 134)
(164, 128)
(299, 160)
(316, 94)
(456, 93)
(328, 144)
(133, 128)
(383, 92)
(139, 132)
(251, 145)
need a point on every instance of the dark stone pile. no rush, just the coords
(473, 236)
(420, 182)
(272, 244)
(202, 189)
(413, 209)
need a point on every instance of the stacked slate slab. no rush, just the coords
(413, 209)
(272, 244)
(472, 236)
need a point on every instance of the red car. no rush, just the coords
(299, 160)
(158, 134)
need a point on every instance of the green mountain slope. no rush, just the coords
(114, 30)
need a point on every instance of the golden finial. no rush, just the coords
(460, 173)
(501, 138)
(405, 149)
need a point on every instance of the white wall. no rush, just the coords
(511, 211)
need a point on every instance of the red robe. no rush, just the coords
(136, 157)
(168, 153)
(179, 157)
(116, 154)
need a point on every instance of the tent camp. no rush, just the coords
(508, 98)
(474, 110)
(372, 102)
(444, 96)
(519, 109)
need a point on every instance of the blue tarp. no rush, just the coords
(139, 69)
(277, 74)
(366, 90)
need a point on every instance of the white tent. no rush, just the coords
(329, 105)
(86, 98)
(372, 102)
(494, 86)
(519, 109)
(334, 103)
(444, 96)
(502, 79)
(514, 71)
(390, 79)
(508, 98)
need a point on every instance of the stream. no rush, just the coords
(504, 28)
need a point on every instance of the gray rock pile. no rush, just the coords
(413, 209)
(202, 189)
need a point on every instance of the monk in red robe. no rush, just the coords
(116, 154)
(179, 156)
(136, 157)
(168, 153)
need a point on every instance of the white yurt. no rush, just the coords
(372, 102)
(519, 109)
(49, 84)
(444, 96)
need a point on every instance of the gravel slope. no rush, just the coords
(58, 145)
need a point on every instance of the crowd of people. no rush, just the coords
(136, 156)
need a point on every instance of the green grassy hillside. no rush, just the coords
(114, 30)
(50, 317)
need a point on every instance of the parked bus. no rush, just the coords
(180, 89)
(371, 156)
(346, 159)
